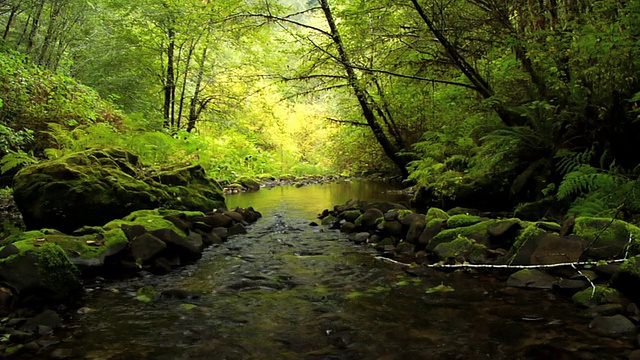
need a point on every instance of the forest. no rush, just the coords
(486, 104)
(496, 139)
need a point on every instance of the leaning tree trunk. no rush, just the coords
(389, 148)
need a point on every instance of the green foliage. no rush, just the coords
(595, 191)
(15, 159)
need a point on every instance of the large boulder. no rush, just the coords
(94, 186)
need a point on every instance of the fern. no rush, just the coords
(15, 159)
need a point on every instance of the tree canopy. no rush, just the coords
(520, 100)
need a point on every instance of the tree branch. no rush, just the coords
(286, 20)
(350, 122)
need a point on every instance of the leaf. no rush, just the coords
(440, 289)
(187, 306)
(353, 295)
(146, 294)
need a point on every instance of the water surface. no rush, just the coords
(288, 290)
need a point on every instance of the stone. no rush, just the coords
(196, 240)
(133, 231)
(570, 285)
(605, 238)
(222, 233)
(237, 217)
(209, 239)
(461, 249)
(54, 193)
(462, 220)
(591, 297)
(41, 273)
(528, 278)
(604, 310)
(249, 184)
(370, 217)
(48, 318)
(435, 213)
(612, 326)
(8, 251)
(431, 229)
(361, 237)
(236, 229)
(416, 228)
(347, 227)
(407, 218)
(21, 337)
(61, 354)
(391, 228)
(146, 246)
(178, 245)
(351, 215)
(181, 223)
(627, 279)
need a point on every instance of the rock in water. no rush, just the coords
(94, 186)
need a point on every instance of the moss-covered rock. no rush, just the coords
(94, 186)
(460, 250)
(40, 271)
(591, 297)
(627, 279)
(435, 213)
(477, 232)
(606, 238)
(462, 220)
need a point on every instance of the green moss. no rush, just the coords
(600, 229)
(630, 266)
(435, 213)
(151, 220)
(462, 248)
(86, 246)
(602, 295)
(477, 232)
(433, 222)
(462, 220)
(403, 212)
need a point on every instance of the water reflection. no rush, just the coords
(307, 201)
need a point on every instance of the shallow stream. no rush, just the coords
(288, 290)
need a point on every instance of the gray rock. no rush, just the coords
(347, 227)
(361, 237)
(534, 279)
(370, 217)
(178, 245)
(612, 326)
(236, 229)
(604, 310)
(146, 246)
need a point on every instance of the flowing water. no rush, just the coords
(288, 290)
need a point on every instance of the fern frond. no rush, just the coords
(15, 159)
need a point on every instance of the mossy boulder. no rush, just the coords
(461, 220)
(477, 232)
(39, 272)
(606, 238)
(84, 250)
(95, 186)
(462, 249)
(248, 183)
(435, 213)
(627, 279)
(599, 295)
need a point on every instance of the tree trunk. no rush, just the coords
(389, 149)
(169, 85)
(34, 27)
(194, 111)
(14, 11)
(481, 85)
(184, 81)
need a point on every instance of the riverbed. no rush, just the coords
(289, 290)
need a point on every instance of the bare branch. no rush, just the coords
(350, 122)
(286, 20)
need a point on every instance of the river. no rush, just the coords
(288, 290)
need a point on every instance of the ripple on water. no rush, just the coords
(289, 291)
